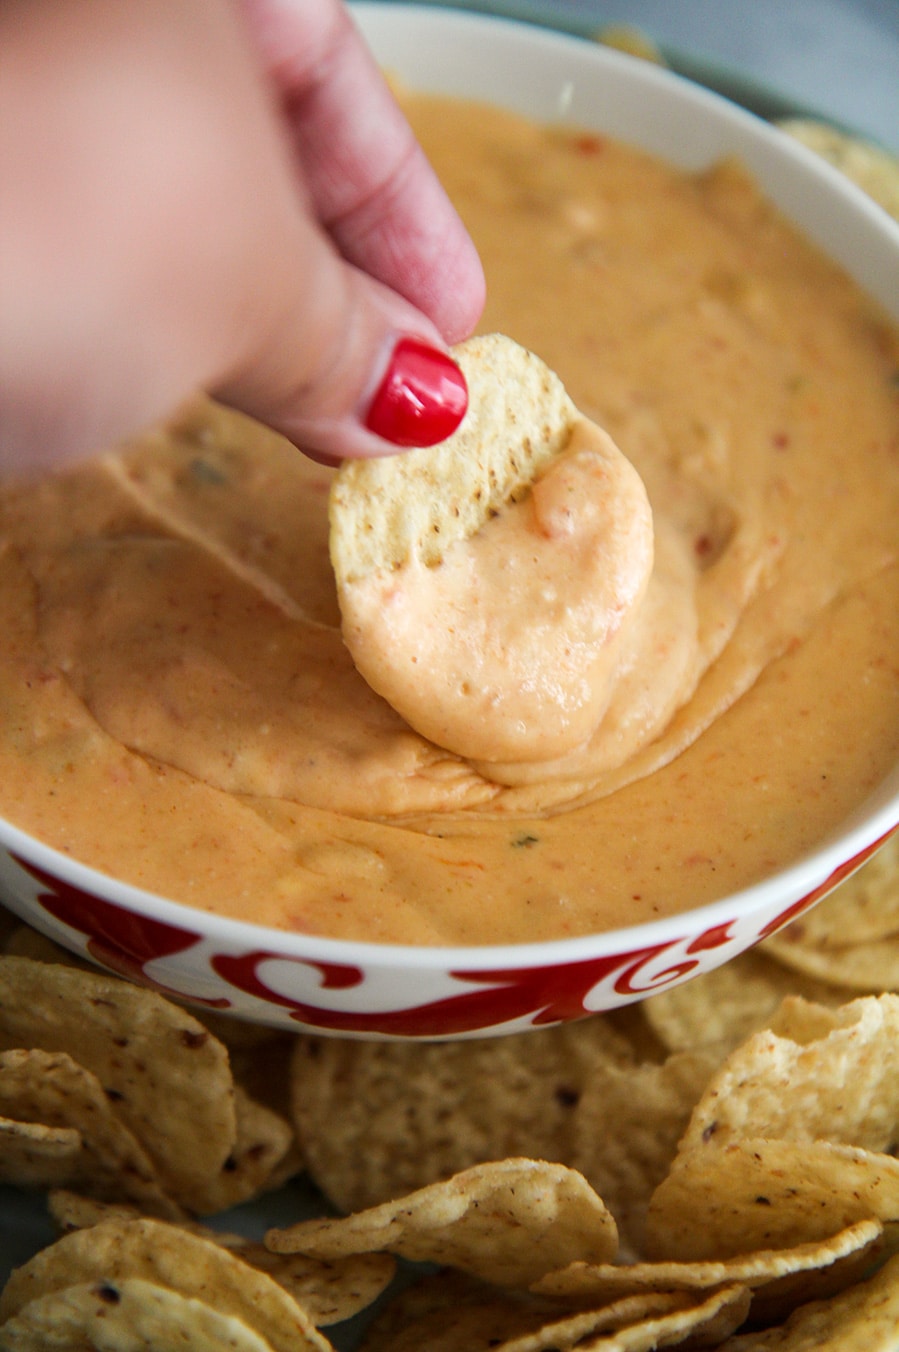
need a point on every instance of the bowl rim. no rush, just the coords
(799, 880)
(712, 69)
(871, 821)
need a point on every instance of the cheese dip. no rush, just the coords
(178, 708)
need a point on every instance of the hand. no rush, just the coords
(218, 195)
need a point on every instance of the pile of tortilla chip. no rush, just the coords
(715, 1167)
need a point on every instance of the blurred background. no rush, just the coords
(839, 58)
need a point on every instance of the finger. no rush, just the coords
(157, 242)
(371, 184)
(345, 367)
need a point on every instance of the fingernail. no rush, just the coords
(422, 398)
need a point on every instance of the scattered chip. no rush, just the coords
(329, 1291)
(858, 967)
(128, 1315)
(851, 938)
(481, 1321)
(862, 1319)
(717, 1010)
(872, 169)
(170, 1257)
(796, 1274)
(723, 1160)
(51, 1088)
(263, 1140)
(452, 1104)
(627, 1129)
(719, 1201)
(863, 908)
(625, 37)
(841, 1084)
(507, 1222)
(260, 1059)
(167, 1076)
(33, 1155)
(448, 1310)
(572, 1094)
(76, 1211)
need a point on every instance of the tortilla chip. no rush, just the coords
(840, 1083)
(863, 908)
(167, 1077)
(874, 170)
(448, 1313)
(260, 1059)
(125, 1316)
(507, 1222)
(719, 1201)
(778, 1278)
(867, 967)
(572, 1095)
(806, 1021)
(718, 1010)
(452, 1104)
(328, 1291)
(261, 1071)
(386, 511)
(850, 938)
(610, 1281)
(627, 1128)
(862, 1319)
(641, 1324)
(263, 1142)
(33, 1155)
(51, 1088)
(631, 1022)
(260, 1064)
(633, 41)
(171, 1257)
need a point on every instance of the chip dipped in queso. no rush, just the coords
(179, 707)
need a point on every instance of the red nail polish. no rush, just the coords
(422, 398)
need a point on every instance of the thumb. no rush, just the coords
(161, 238)
(339, 362)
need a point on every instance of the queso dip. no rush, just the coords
(177, 705)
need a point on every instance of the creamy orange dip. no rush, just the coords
(512, 648)
(178, 707)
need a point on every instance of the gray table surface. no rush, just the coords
(839, 57)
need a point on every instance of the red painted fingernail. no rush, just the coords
(422, 398)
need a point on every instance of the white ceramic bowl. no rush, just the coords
(329, 986)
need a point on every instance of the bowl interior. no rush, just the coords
(554, 77)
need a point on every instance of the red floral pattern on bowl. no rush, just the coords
(303, 984)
